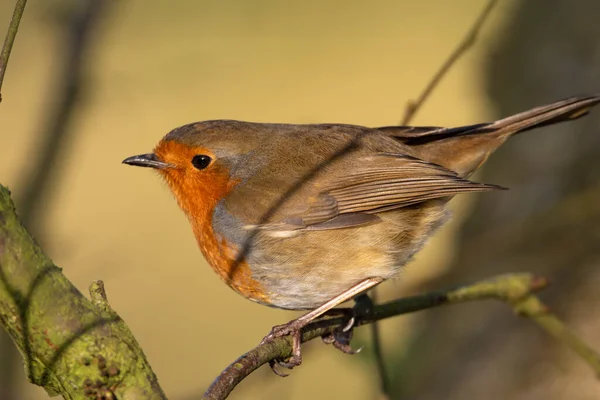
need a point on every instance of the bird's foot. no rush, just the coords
(340, 338)
(293, 329)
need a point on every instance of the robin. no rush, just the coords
(306, 217)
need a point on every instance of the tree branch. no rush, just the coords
(71, 346)
(13, 28)
(517, 290)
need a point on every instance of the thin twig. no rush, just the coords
(517, 290)
(13, 28)
(414, 105)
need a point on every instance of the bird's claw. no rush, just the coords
(344, 347)
(293, 329)
(349, 325)
(278, 331)
(287, 364)
(340, 338)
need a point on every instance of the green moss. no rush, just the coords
(70, 345)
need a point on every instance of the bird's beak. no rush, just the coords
(147, 160)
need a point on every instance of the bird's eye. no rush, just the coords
(201, 161)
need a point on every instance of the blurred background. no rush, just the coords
(91, 82)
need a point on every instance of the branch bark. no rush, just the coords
(71, 346)
(517, 290)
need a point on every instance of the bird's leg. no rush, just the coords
(294, 328)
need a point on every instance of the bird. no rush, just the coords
(308, 216)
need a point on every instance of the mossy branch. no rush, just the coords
(71, 346)
(517, 290)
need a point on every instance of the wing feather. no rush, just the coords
(381, 183)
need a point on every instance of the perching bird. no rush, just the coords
(305, 217)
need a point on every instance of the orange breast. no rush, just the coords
(198, 193)
(222, 257)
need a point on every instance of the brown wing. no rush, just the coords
(380, 183)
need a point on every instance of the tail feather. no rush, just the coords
(561, 111)
(464, 149)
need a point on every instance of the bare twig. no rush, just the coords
(414, 105)
(517, 290)
(13, 28)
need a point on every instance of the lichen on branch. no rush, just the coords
(70, 345)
